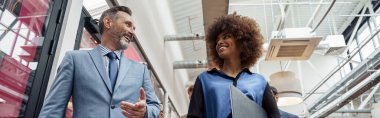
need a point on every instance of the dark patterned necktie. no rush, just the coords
(112, 68)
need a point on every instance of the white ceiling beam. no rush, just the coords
(213, 9)
(349, 19)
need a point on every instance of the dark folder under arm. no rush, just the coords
(243, 107)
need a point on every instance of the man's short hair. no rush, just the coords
(112, 14)
(274, 90)
(190, 88)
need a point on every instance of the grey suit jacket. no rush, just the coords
(82, 75)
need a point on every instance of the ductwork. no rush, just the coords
(284, 10)
(310, 22)
(184, 37)
(324, 16)
(190, 64)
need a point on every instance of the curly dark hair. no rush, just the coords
(246, 33)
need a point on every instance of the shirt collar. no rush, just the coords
(105, 51)
(216, 70)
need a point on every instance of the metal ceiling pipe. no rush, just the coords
(190, 64)
(324, 16)
(184, 37)
(310, 22)
(284, 9)
(349, 95)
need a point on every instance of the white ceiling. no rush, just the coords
(187, 15)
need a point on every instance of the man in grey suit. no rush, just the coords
(102, 82)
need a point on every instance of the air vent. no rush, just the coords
(335, 44)
(291, 51)
(292, 48)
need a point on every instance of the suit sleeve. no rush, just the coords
(269, 103)
(196, 107)
(153, 109)
(56, 101)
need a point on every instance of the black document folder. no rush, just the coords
(243, 107)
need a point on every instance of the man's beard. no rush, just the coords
(123, 44)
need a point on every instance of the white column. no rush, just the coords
(67, 37)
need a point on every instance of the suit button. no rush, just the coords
(112, 106)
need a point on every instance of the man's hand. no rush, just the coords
(136, 110)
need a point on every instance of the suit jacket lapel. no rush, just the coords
(123, 70)
(99, 63)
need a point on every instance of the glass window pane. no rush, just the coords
(87, 42)
(19, 53)
(367, 50)
(353, 48)
(356, 58)
(17, 50)
(7, 18)
(7, 42)
(364, 34)
(2, 28)
(24, 30)
(377, 20)
(376, 41)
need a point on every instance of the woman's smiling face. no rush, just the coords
(226, 46)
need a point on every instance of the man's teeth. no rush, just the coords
(126, 37)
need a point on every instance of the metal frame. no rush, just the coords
(80, 30)
(356, 76)
(42, 73)
(349, 29)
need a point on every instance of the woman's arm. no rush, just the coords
(196, 102)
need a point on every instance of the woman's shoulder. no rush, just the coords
(259, 77)
(204, 74)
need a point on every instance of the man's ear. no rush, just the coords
(107, 22)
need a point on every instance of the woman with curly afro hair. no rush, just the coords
(234, 44)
